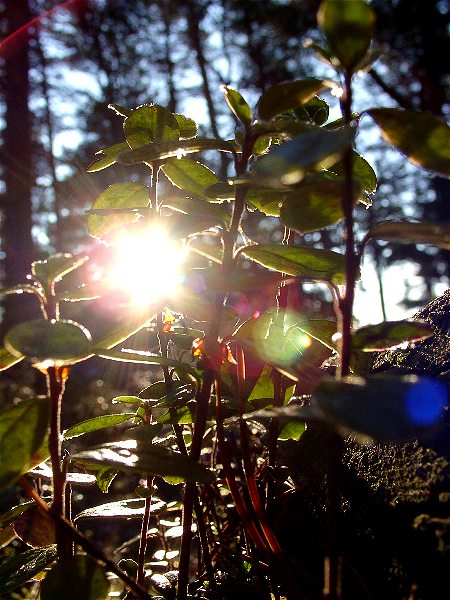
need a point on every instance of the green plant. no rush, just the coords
(289, 163)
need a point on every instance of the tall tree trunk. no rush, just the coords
(58, 237)
(17, 163)
(170, 65)
(195, 37)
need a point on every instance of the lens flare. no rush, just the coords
(426, 400)
(147, 267)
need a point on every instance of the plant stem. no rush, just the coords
(84, 542)
(332, 589)
(204, 394)
(352, 258)
(55, 385)
(140, 577)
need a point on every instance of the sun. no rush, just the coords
(148, 266)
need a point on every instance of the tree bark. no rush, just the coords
(16, 159)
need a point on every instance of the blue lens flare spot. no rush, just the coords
(426, 401)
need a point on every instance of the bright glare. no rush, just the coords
(148, 266)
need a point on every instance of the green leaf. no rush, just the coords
(127, 400)
(150, 123)
(319, 329)
(309, 263)
(10, 516)
(183, 415)
(199, 208)
(266, 200)
(108, 157)
(35, 527)
(163, 150)
(120, 110)
(77, 578)
(55, 267)
(317, 203)
(24, 566)
(96, 423)
(8, 360)
(152, 459)
(114, 336)
(220, 191)
(382, 408)
(424, 138)
(191, 176)
(238, 105)
(292, 430)
(390, 333)
(348, 27)
(137, 356)
(412, 233)
(180, 393)
(60, 342)
(241, 281)
(23, 438)
(117, 195)
(213, 252)
(187, 126)
(20, 289)
(315, 111)
(288, 163)
(361, 171)
(83, 292)
(286, 96)
(104, 477)
(132, 508)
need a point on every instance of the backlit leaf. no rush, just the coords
(424, 138)
(319, 329)
(286, 96)
(237, 104)
(96, 423)
(129, 509)
(292, 430)
(150, 123)
(152, 459)
(137, 356)
(316, 111)
(187, 126)
(23, 566)
(60, 342)
(199, 208)
(121, 332)
(117, 195)
(180, 414)
(23, 438)
(317, 203)
(55, 267)
(163, 150)
(308, 263)
(287, 164)
(390, 333)
(348, 27)
(10, 516)
(189, 175)
(80, 574)
(412, 233)
(8, 360)
(361, 171)
(107, 157)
